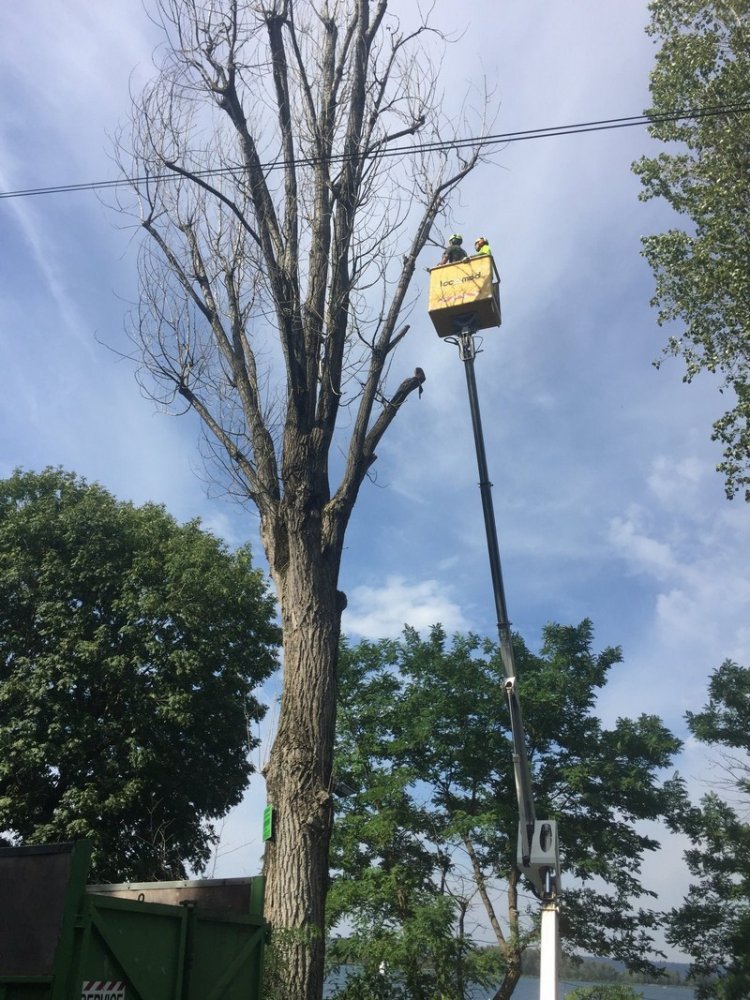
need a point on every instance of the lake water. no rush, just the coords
(528, 989)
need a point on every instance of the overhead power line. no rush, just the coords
(499, 139)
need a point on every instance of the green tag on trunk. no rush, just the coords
(268, 823)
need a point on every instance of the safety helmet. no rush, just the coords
(479, 241)
(456, 238)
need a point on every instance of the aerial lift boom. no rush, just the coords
(464, 297)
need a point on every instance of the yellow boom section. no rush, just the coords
(469, 288)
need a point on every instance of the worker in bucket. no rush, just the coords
(482, 247)
(454, 251)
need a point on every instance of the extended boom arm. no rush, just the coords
(538, 856)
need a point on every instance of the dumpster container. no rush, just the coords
(185, 940)
(466, 293)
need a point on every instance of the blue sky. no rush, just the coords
(605, 494)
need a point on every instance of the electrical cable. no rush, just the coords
(503, 138)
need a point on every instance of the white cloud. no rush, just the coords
(382, 611)
(691, 568)
(642, 552)
(676, 481)
(49, 262)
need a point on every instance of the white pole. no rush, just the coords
(548, 972)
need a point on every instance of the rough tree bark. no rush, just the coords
(282, 238)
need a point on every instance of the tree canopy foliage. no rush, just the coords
(130, 646)
(702, 74)
(428, 834)
(713, 923)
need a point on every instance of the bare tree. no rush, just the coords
(291, 160)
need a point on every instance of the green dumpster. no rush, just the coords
(63, 940)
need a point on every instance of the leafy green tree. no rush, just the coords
(429, 832)
(702, 277)
(130, 646)
(713, 923)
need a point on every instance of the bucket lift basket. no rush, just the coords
(464, 293)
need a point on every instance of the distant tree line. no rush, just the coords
(592, 970)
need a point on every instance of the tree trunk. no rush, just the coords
(510, 979)
(512, 950)
(298, 775)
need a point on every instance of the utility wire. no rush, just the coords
(502, 138)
